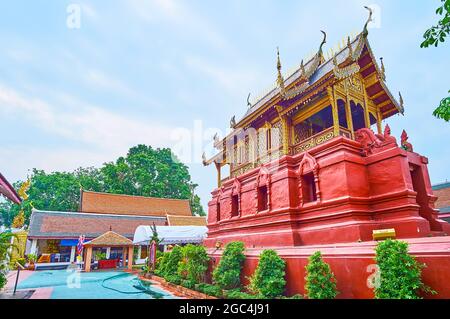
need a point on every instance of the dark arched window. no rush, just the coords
(357, 116)
(342, 114)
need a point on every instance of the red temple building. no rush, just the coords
(312, 168)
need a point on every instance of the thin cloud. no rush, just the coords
(91, 125)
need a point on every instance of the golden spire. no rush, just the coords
(302, 68)
(383, 70)
(335, 62)
(280, 79)
(349, 46)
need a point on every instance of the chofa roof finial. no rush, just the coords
(366, 30)
(323, 41)
(401, 99)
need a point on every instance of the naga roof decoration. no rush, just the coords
(305, 73)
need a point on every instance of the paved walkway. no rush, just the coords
(37, 293)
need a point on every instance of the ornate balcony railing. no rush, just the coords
(318, 139)
(313, 141)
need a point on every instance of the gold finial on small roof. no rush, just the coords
(401, 99)
(349, 46)
(280, 79)
(383, 70)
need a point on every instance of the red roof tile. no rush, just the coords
(110, 239)
(186, 220)
(104, 203)
(71, 225)
(443, 195)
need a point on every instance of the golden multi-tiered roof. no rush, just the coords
(322, 99)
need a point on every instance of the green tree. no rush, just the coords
(143, 172)
(434, 36)
(59, 191)
(171, 264)
(268, 279)
(400, 273)
(227, 274)
(320, 280)
(5, 246)
(194, 264)
(151, 172)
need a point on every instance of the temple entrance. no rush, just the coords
(422, 199)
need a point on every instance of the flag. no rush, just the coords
(80, 244)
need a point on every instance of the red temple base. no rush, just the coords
(332, 198)
(354, 266)
(332, 194)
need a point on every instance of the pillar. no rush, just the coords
(285, 136)
(124, 256)
(334, 108)
(219, 177)
(379, 120)
(139, 253)
(130, 257)
(108, 252)
(33, 249)
(87, 261)
(348, 112)
(366, 109)
(72, 253)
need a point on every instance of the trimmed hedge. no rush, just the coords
(268, 279)
(400, 272)
(320, 280)
(227, 274)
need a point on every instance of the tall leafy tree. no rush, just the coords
(434, 36)
(151, 172)
(144, 171)
(59, 191)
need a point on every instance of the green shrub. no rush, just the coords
(228, 273)
(173, 279)
(400, 273)
(22, 261)
(173, 259)
(212, 290)
(268, 279)
(161, 263)
(2, 279)
(188, 284)
(194, 263)
(320, 280)
(199, 287)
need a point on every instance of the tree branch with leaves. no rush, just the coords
(434, 36)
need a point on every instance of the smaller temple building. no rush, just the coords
(53, 236)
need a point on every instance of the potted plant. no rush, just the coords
(31, 261)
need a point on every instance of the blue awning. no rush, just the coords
(68, 242)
